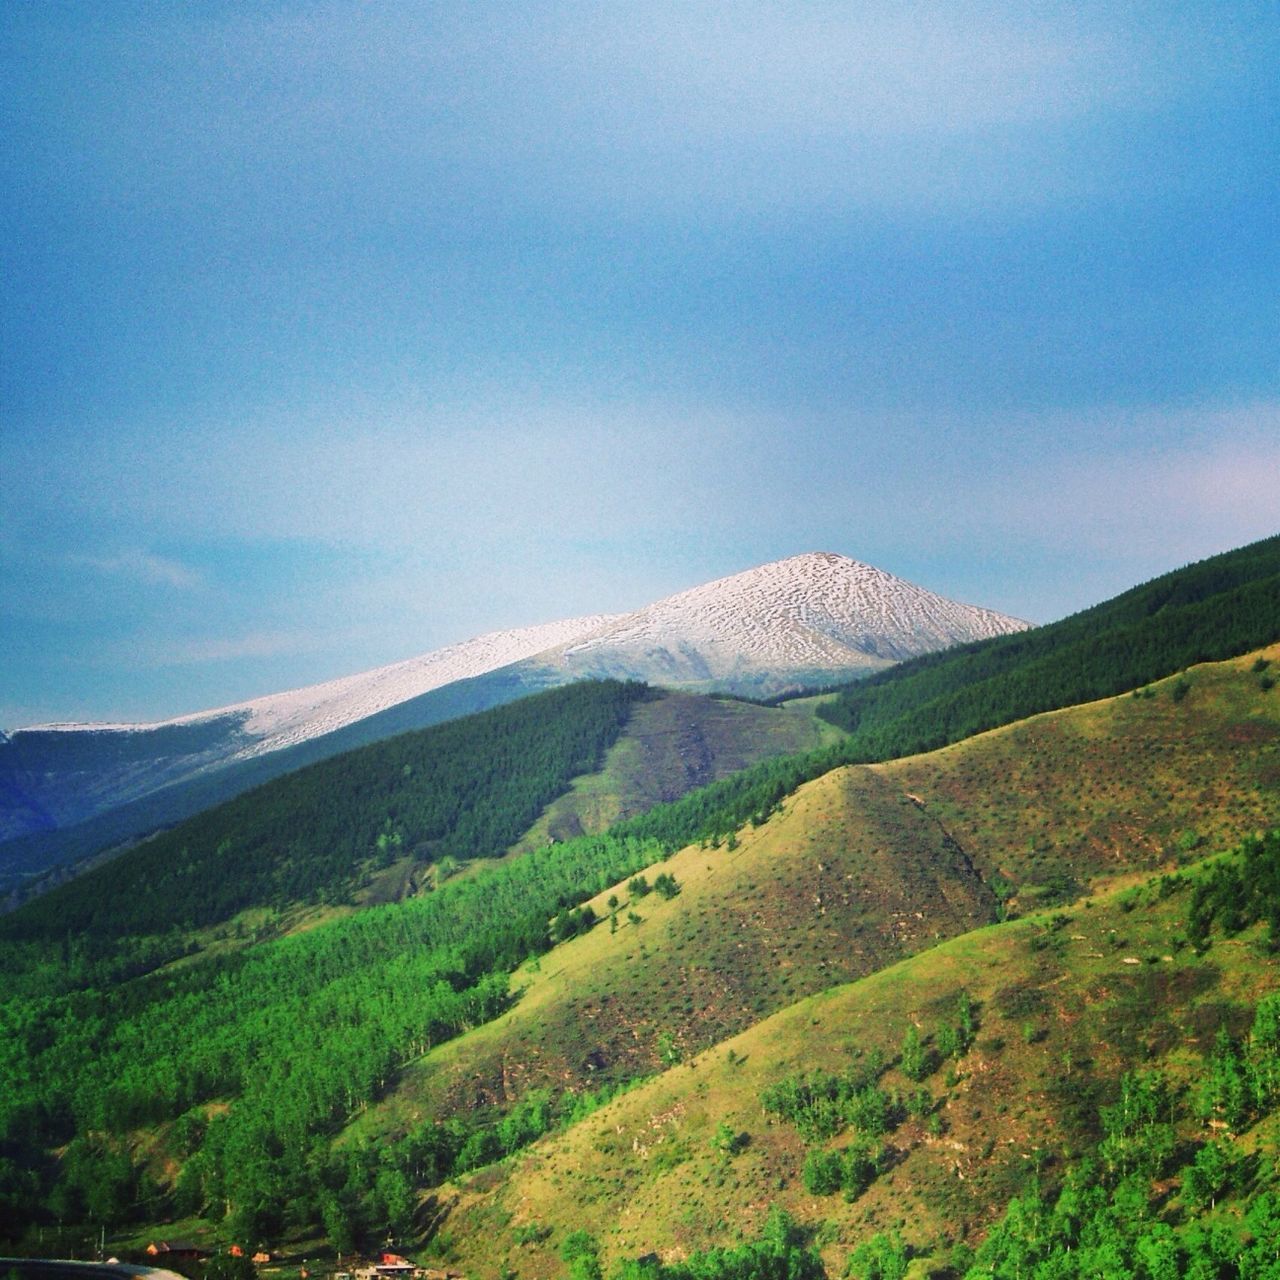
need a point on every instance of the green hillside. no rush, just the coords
(1215, 609)
(861, 867)
(388, 1015)
(102, 1036)
(1207, 612)
(35, 862)
(333, 1008)
(464, 789)
(1089, 1069)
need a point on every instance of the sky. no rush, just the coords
(331, 333)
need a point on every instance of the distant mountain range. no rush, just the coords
(809, 619)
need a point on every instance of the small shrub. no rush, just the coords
(666, 886)
(822, 1173)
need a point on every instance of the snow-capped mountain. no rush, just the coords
(52, 775)
(814, 618)
(810, 617)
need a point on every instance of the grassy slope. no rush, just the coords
(675, 743)
(774, 920)
(1061, 1003)
(1112, 785)
(829, 889)
(876, 879)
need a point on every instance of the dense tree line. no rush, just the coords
(781, 1252)
(1217, 609)
(298, 1033)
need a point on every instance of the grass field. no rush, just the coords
(672, 744)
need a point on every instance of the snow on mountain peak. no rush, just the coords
(282, 719)
(810, 619)
(811, 613)
(816, 611)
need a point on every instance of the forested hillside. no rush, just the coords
(862, 866)
(23, 859)
(1216, 609)
(1087, 1092)
(110, 1088)
(465, 789)
(167, 1056)
(101, 1035)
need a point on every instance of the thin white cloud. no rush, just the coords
(142, 566)
(686, 105)
(1177, 485)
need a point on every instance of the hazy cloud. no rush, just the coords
(256, 644)
(142, 566)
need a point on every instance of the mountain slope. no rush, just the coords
(845, 867)
(76, 770)
(1206, 612)
(465, 789)
(809, 618)
(672, 744)
(1216, 608)
(1062, 1006)
(868, 864)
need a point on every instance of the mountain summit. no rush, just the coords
(810, 619)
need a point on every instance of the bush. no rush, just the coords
(823, 1173)
(882, 1257)
(666, 886)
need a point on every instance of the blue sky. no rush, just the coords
(334, 333)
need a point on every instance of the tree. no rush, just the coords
(666, 885)
(914, 1060)
(230, 1266)
(1225, 1092)
(668, 1051)
(1205, 1179)
(581, 1250)
(882, 1257)
(822, 1173)
(966, 1021)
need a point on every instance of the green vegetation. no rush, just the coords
(1216, 609)
(460, 790)
(1142, 1046)
(820, 1104)
(349, 1005)
(1108, 1218)
(781, 1253)
(245, 1076)
(1239, 891)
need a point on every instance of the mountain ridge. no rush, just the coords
(814, 617)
